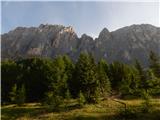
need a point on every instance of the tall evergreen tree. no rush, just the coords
(85, 77)
(59, 83)
(21, 95)
(18, 95)
(153, 83)
(69, 69)
(10, 74)
(141, 75)
(130, 85)
(154, 61)
(103, 80)
(117, 73)
(36, 75)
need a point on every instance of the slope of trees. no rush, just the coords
(52, 80)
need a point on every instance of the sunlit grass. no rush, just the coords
(105, 110)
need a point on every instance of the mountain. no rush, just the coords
(125, 44)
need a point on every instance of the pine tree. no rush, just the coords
(13, 94)
(68, 95)
(21, 95)
(81, 99)
(129, 85)
(69, 69)
(141, 75)
(154, 61)
(153, 83)
(59, 83)
(117, 72)
(9, 77)
(18, 95)
(53, 101)
(103, 80)
(85, 77)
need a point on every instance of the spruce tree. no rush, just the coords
(103, 80)
(154, 61)
(81, 99)
(59, 82)
(21, 95)
(141, 75)
(58, 85)
(13, 94)
(67, 95)
(18, 95)
(85, 77)
(117, 72)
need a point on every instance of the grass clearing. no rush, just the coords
(105, 110)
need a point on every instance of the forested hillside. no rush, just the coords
(38, 79)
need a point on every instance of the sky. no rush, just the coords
(88, 17)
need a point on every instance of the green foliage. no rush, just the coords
(81, 99)
(53, 101)
(68, 95)
(124, 78)
(58, 88)
(103, 80)
(128, 113)
(130, 84)
(13, 94)
(36, 75)
(146, 106)
(69, 69)
(85, 77)
(17, 95)
(117, 72)
(154, 63)
(9, 77)
(21, 95)
(66, 79)
(59, 83)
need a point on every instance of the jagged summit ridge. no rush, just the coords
(125, 44)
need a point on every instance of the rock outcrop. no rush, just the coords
(125, 44)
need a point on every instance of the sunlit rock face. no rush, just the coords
(45, 40)
(125, 44)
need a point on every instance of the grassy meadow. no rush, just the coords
(105, 110)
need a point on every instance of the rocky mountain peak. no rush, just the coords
(125, 44)
(85, 36)
(104, 35)
(104, 32)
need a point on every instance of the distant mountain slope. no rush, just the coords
(125, 44)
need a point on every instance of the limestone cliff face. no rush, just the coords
(130, 43)
(125, 44)
(46, 40)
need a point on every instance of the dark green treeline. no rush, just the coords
(34, 79)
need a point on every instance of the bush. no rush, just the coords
(146, 106)
(53, 101)
(21, 95)
(18, 95)
(81, 99)
(68, 95)
(128, 113)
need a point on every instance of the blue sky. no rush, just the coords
(85, 17)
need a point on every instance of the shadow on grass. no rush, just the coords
(17, 112)
(138, 116)
(12, 113)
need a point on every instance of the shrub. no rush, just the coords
(18, 95)
(81, 99)
(53, 101)
(146, 106)
(128, 113)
